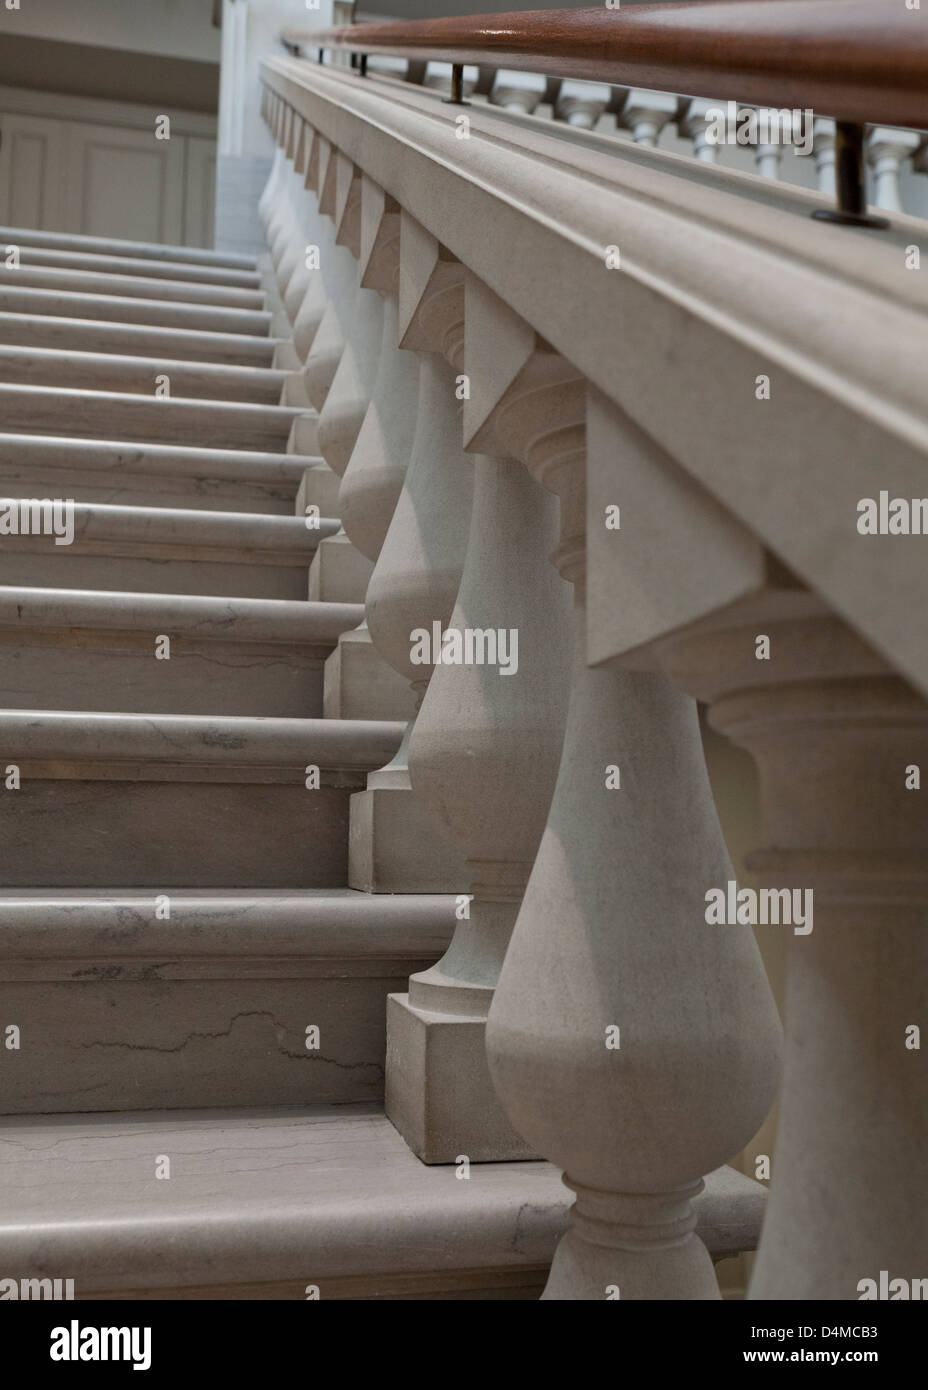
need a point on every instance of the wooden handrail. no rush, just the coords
(855, 60)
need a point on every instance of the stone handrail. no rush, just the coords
(530, 341)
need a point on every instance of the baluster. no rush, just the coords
(316, 287)
(328, 342)
(517, 91)
(825, 719)
(581, 104)
(359, 683)
(768, 154)
(269, 201)
(395, 845)
(483, 756)
(823, 152)
(887, 149)
(372, 481)
(694, 124)
(630, 1042)
(292, 251)
(346, 402)
(646, 113)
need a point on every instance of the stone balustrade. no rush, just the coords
(616, 406)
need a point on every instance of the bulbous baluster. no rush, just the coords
(630, 1042)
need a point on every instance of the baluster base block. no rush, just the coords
(319, 488)
(360, 685)
(438, 1089)
(394, 846)
(338, 573)
(304, 435)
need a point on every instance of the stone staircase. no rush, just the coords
(194, 1106)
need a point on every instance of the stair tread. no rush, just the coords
(58, 278)
(78, 410)
(169, 459)
(203, 616)
(231, 742)
(133, 265)
(52, 367)
(270, 1195)
(191, 255)
(163, 312)
(114, 336)
(187, 526)
(58, 924)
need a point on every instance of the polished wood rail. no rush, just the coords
(856, 60)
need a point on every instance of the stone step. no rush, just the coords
(138, 340)
(123, 1008)
(111, 246)
(64, 649)
(123, 473)
(147, 418)
(109, 372)
(264, 1203)
(124, 309)
(135, 265)
(163, 550)
(57, 281)
(144, 801)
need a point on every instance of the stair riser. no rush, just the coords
(118, 672)
(121, 489)
(147, 834)
(129, 1037)
(86, 335)
(69, 567)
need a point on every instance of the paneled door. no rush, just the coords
(32, 151)
(124, 183)
(70, 164)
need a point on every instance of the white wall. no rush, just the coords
(174, 28)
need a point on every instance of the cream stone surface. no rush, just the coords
(79, 649)
(158, 313)
(104, 372)
(210, 1007)
(230, 425)
(318, 488)
(151, 475)
(360, 685)
(336, 927)
(276, 1200)
(338, 573)
(829, 716)
(170, 551)
(395, 846)
(37, 329)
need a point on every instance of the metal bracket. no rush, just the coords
(850, 182)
